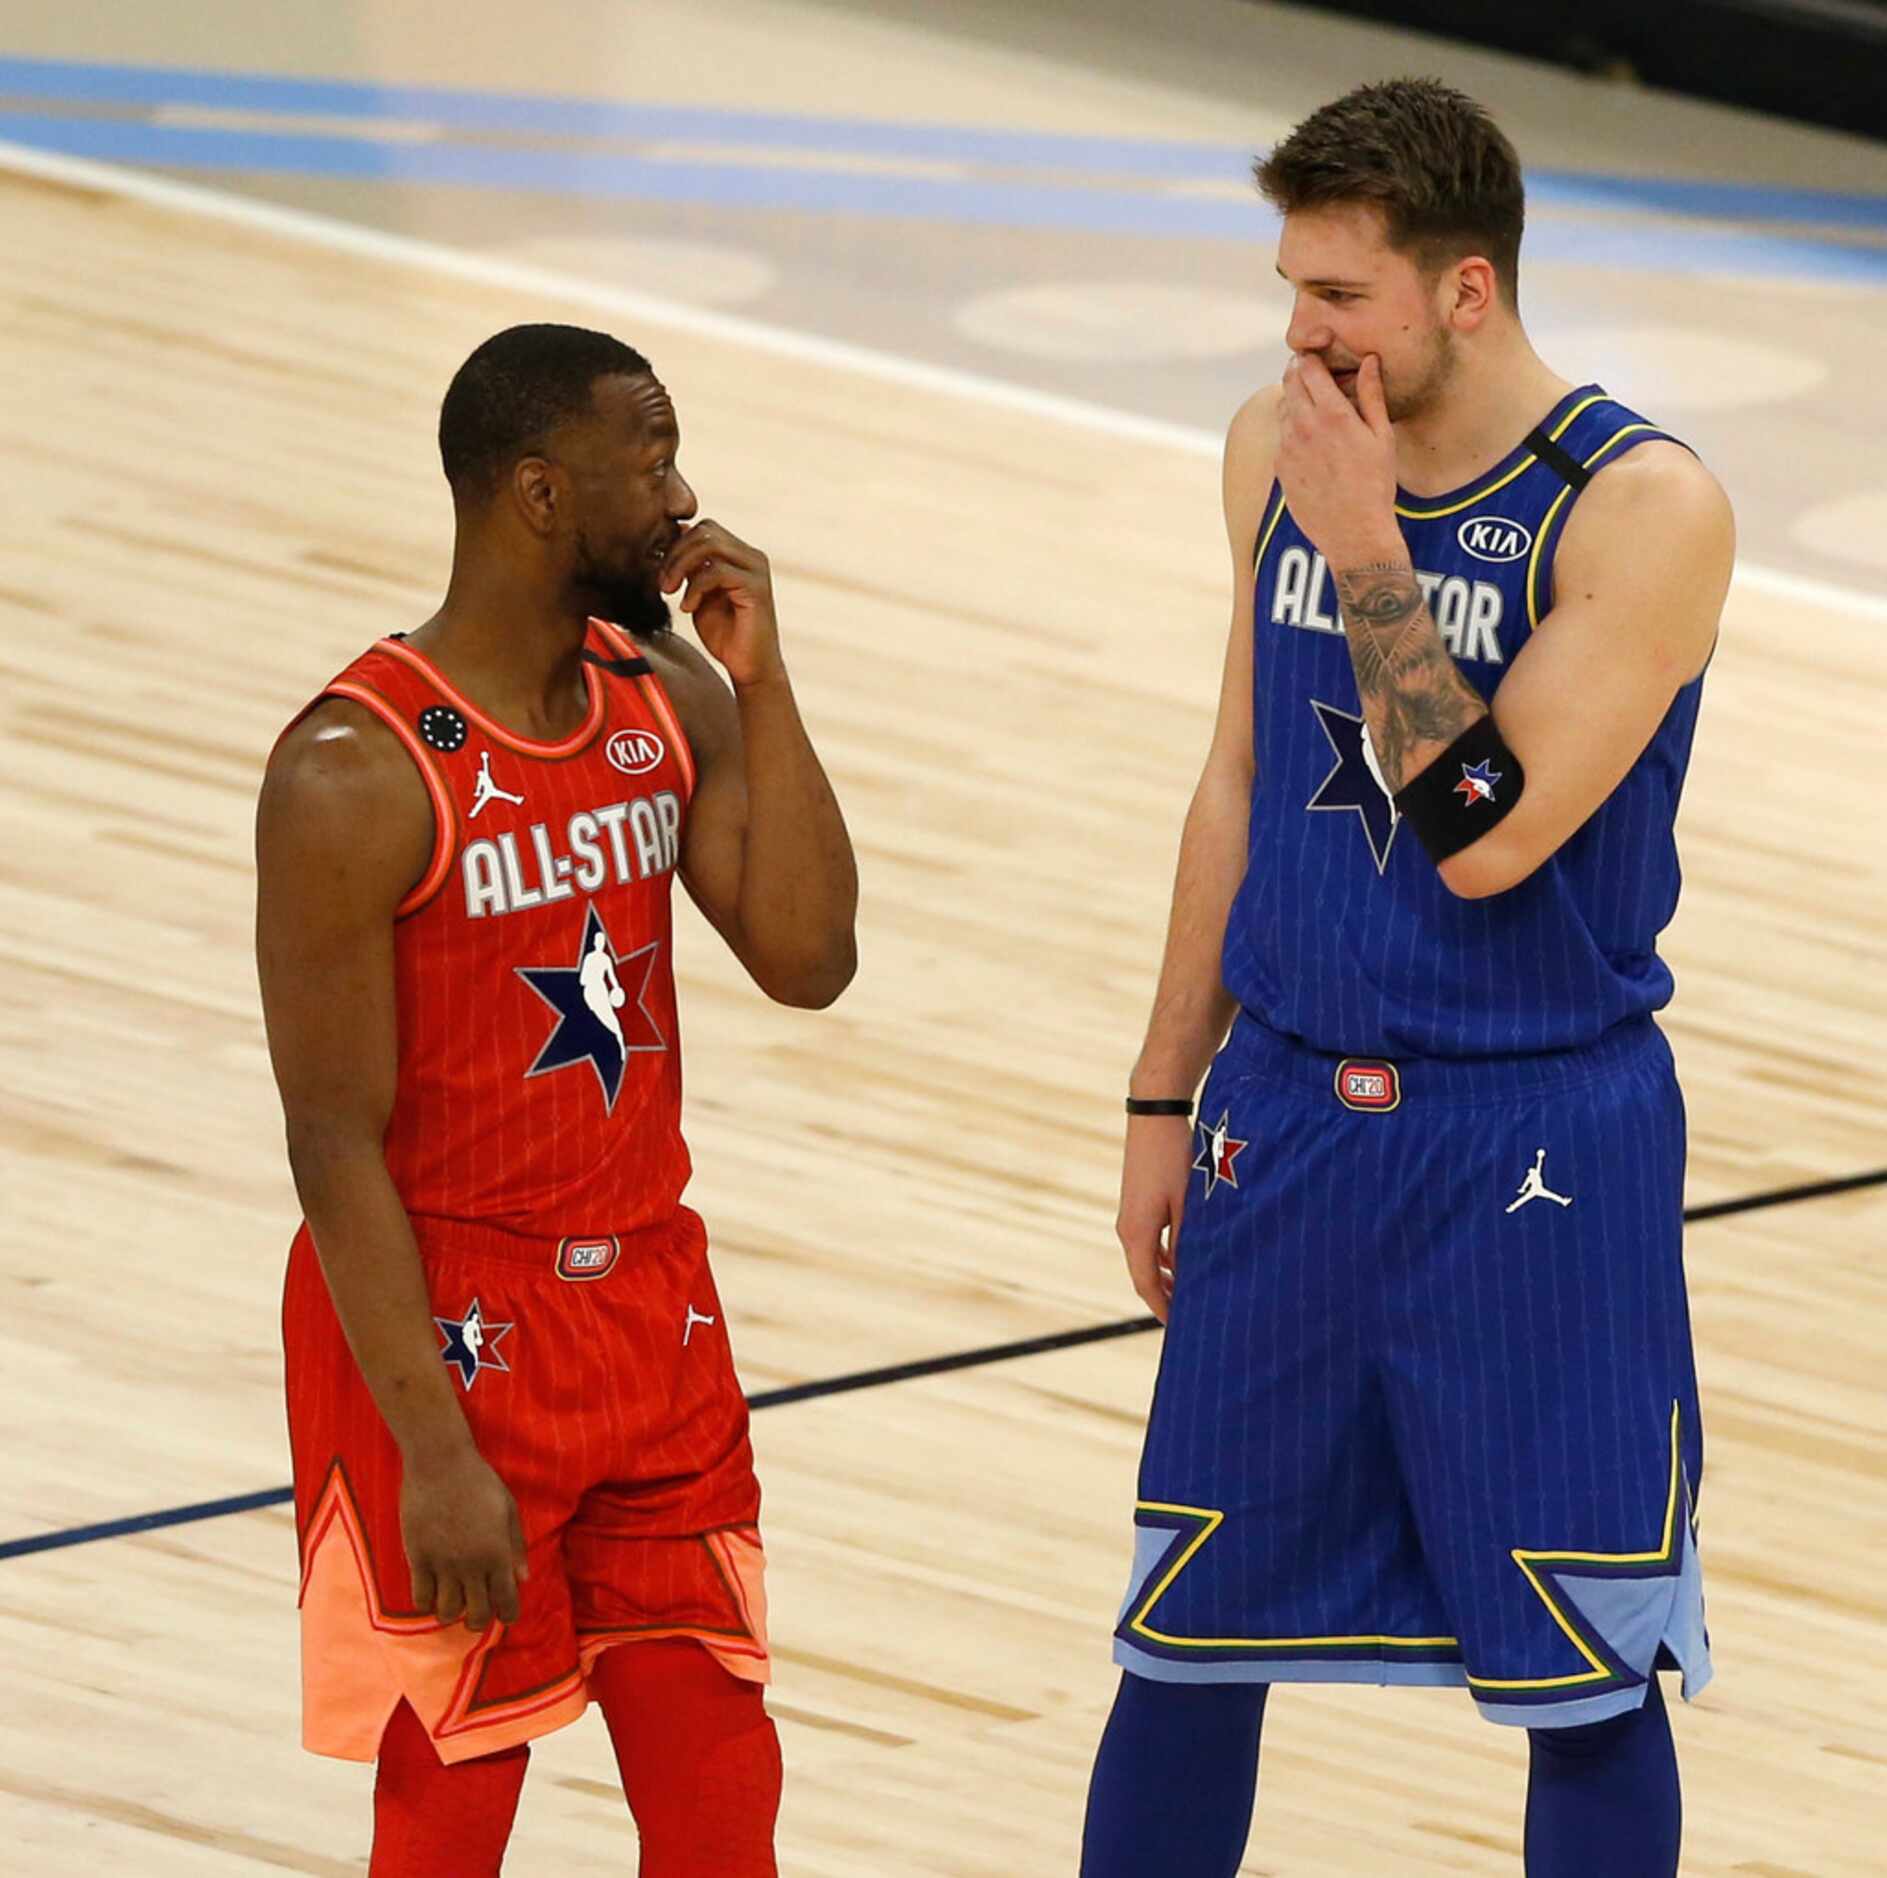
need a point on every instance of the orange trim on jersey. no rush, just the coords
(578, 739)
(445, 811)
(656, 696)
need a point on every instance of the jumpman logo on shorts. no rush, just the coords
(485, 791)
(1534, 1187)
(694, 1317)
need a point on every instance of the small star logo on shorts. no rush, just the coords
(1218, 1149)
(472, 1344)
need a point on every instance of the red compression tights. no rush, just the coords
(430, 1819)
(700, 1766)
(700, 1761)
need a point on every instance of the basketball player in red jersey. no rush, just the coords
(523, 1480)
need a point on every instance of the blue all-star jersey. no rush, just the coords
(1342, 934)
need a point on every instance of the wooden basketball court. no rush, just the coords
(1006, 632)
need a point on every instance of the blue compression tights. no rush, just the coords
(1177, 1772)
(1174, 1780)
(1604, 1798)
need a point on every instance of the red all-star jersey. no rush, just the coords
(539, 1074)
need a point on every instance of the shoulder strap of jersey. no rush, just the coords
(1605, 431)
(367, 682)
(628, 661)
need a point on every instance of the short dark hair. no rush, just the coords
(1433, 161)
(505, 400)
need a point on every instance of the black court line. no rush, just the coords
(868, 1378)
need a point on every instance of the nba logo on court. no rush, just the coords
(586, 1258)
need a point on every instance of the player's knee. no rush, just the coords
(1592, 1740)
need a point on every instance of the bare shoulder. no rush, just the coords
(701, 696)
(1659, 492)
(1254, 426)
(341, 783)
(1251, 449)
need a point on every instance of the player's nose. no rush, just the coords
(1309, 328)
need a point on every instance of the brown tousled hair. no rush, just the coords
(1438, 167)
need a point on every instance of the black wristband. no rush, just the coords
(1161, 1105)
(1468, 789)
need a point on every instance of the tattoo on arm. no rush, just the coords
(1415, 700)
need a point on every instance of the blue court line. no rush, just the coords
(878, 1378)
(147, 1522)
(1149, 159)
(1091, 210)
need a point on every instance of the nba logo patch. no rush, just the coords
(1368, 1084)
(578, 1259)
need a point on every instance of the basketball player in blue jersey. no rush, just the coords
(1427, 1411)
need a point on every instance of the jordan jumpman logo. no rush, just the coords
(485, 791)
(694, 1317)
(1534, 1187)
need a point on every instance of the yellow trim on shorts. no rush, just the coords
(1526, 1560)
(1213, 1518)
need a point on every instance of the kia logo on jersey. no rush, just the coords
(1493, 538)
(635, 752)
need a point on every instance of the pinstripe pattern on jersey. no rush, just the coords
(1341, 933)
(655, 693)
(490, 1122)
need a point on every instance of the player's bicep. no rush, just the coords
(341, 835)
(1250, 450)
(1591, 686)
(714, 843)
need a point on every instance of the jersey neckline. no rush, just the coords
(1517, 461)
(580, 738)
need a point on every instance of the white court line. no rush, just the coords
(323, 231)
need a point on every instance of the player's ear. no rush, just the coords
(538, 493)
(1475, 289)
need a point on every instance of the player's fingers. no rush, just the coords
(1369, 396)
(708, 541)
(477, 1603)
(504, 1594)
(450, 1602)
(520, 1562)
(425, 1586)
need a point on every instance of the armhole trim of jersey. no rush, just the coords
(1546, 541)
(445, 814)
(656, 696)
(1273, 514)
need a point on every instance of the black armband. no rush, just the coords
(1160, 1105)
(1470, 787)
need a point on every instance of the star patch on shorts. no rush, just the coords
(1218, 1149)
(472, 1343)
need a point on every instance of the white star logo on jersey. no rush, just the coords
(597, 1023)
(1218, 1149)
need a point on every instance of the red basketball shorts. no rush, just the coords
(596, 1378)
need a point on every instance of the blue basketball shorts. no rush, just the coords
(1427, 1407)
